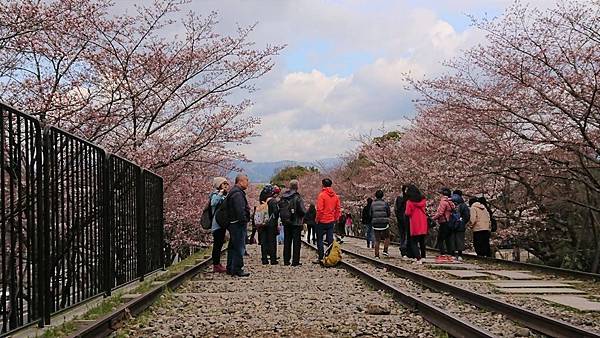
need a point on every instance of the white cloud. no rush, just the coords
(312, 113)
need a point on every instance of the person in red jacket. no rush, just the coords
(328, 212)
(415, 210)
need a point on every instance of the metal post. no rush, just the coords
(106, 222)
(44, 235)
(141, 222)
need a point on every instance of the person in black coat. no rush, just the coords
(310, 220)
(366, 221)
(403, 223)
(239, 216)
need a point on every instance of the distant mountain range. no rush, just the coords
(261, 172)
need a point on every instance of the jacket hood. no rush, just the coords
(478, 206)
(421, 204)
(457, 199)
(329, 191)
(289, 193)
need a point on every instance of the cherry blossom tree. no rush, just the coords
(142, 92)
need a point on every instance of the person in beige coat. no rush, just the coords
(481, 224)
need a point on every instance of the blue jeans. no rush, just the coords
(324, 229)
(236, 247)
(369, 234)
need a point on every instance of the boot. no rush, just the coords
(219, 268)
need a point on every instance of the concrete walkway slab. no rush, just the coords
(576, 302)
(530, 284)
(539, 290)
(510, 274)
(455, 266)
(465, 273)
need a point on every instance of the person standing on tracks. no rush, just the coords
(380, 219)
(239, 216)
(480, 222)
(458, 230)
(366, 221)
(442, 216)
(266, 217)
(291, 212)
(415, 210)
(221, 185)
(328, 212)
(311, 224)
(403, 223)
(341, 227)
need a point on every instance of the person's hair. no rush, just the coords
(294, 184)
(414, 194)
(379, 194)
(404, 188)
(327, 183)
(483, 201)
(240, 177)
(457, 192)
(473, 200)
(312, 207)
(369, 200)
(446, 192)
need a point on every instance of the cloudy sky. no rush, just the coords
(341, 73)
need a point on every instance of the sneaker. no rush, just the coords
(265, 262)
(296, 264)
(459, 258)
(274, 262)
(219, 268)
(386, 254)
(377, 257)
(419, 261)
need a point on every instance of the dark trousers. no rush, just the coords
(444, 242)
(291, 240)
(324, 229)
(268, 243)
(311, 233)
(404, 234)
(218, 240)
(236, 247)
(481, 242)
(417, 246)
(369, 235)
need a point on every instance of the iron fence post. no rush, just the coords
(44, 241)
(141, 222)
(106, 225)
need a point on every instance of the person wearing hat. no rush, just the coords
(220, 186)
(442, 216)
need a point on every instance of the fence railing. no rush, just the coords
(75, 222)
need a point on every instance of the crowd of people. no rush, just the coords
(452, 217)
(277, 213)
(285, 213)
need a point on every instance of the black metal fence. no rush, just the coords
(75, 222)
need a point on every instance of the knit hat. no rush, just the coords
(217, 181)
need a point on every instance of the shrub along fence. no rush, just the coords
(75, 223)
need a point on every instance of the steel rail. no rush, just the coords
(109, 323)
(452, 324)
(544, 324)
(545, 268)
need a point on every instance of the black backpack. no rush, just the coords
(222, 213)
(287, 210)
(207, 217)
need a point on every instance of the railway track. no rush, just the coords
(517, 265)
(281, 301)
(462, 290)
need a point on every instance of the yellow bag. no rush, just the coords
(334, 256)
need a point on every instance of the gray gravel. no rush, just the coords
(278, 301)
